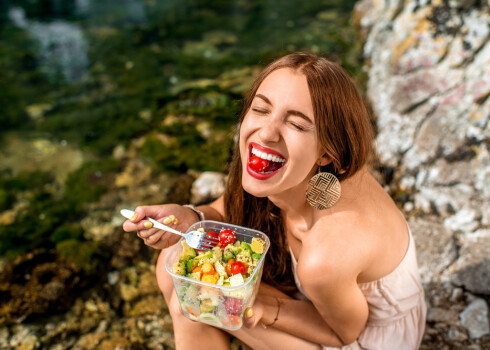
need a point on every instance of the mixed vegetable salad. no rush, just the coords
(229, 264)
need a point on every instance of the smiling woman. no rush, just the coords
(341, 270)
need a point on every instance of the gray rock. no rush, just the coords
(472, 269)
(436, 249)
(457, 333)
(475, 318)
(208, 186)
(437, 314)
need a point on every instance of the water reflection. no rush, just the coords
(62, 46)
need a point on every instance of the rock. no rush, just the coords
(457, 333)
(98, 224)
(116, 342)
(208, 186)
(128, 292)
(472, 269)
(53, 290)
(436, 249)
(456, 295)
(436, 314)
(475, 318)
(4, 336)
(113, 277)
(90, 341)
(151, 305)
(36, 112)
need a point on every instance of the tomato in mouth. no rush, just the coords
(263, 160)
(258, 164)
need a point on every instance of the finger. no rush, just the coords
(155, 237)
(145, 233)
(129, 226)
(249, 319)
(139, 213)
(252, 316)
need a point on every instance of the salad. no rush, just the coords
(230, 263)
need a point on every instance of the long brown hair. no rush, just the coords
(344, 131)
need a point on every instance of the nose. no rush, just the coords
(270, 131)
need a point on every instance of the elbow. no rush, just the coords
(349, 337)
(347, 340)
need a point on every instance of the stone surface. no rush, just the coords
(472, 269)
(428, 66)
(435, 247)
(475, 318)
(208, 186)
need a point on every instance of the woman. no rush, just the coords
(352, 253)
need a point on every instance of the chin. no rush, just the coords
(253, 188)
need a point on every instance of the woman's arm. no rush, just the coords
(328, 273)
(294, 317)
(214, 210)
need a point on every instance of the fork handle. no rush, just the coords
(129, 214)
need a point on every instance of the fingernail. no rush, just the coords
(135, 215)
(148, 224)
(249, 313)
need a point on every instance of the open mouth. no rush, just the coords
(264, 160)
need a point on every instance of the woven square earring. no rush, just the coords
(323, 190)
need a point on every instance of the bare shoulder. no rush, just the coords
(335, 248)
(363, 244)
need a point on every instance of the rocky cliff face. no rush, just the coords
(428, 64)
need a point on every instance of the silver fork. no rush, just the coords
(195, 239)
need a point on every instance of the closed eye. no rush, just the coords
(259, 110)
(298, 127)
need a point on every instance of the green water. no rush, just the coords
(81, 78)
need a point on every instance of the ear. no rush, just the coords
(324, 160)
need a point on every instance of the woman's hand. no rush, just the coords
(156, 238)
(265, 308)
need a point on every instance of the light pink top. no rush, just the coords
(396, 304)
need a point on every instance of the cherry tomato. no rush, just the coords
(228, 266)
(238, 267)
(233, 306)
(231, 321)
(214, 235)
(258, 164)
(193, 310)
(226, 237)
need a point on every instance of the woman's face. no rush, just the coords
(279, 127)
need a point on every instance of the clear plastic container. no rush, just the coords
(218, 306)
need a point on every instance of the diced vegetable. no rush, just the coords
(236, 280)
(246, 247)
(179, 268)
(187, 252)
(228, 253)
(257, 245)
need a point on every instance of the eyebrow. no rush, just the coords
(292, 111)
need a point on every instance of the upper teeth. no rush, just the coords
(267, 156)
